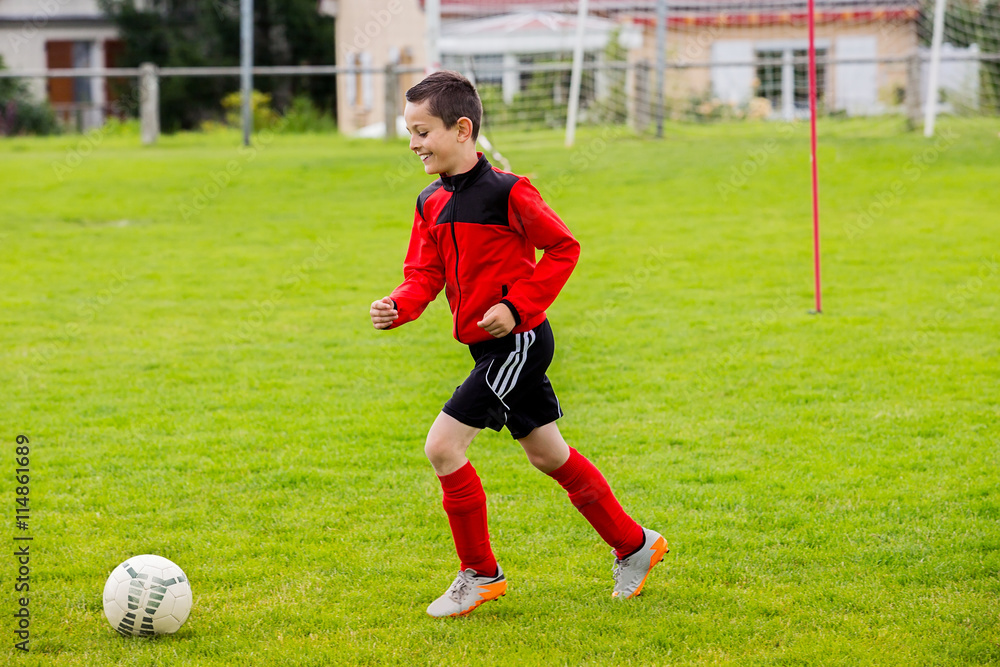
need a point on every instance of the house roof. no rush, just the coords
(700, 12)
(791, 14)
(491, 7)
(60, 12)
(530, 32)
(68, 20)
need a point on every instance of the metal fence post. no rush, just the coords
(391, 103)
(913, 90)
(643, 103)
(149, 103)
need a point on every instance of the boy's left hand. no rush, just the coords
(498, 321)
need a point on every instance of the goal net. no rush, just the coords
(724, 60)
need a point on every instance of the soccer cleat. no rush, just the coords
(631, 572)
(468, 591)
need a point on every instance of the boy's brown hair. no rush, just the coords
(449, 96)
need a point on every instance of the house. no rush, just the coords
(495, 48)
(481, 38)
(370, 35)
(70, 34)
(760, 50)
(725, 51)
(720, 52)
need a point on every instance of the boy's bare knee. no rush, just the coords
(537, 461)
(446, 444)
(544, 461)
(436, 449)
(442, 452)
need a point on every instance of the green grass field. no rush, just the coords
(196, 371)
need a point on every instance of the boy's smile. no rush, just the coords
(443, 150)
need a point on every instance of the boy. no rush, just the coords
(475, 233)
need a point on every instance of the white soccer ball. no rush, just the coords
(147, 595)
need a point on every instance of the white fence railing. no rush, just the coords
(533, 95)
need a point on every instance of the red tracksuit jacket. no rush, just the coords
(475, 234)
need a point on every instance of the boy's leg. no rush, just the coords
(588, 490)
(447, 441)
(464, 498)
(636, 550)
(480, 578)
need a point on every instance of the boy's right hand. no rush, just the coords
(383, 313)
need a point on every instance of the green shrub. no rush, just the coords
(304, 116)
(260, 106)
(116, 127)
(19, 114)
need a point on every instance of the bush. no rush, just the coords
(26, 117)
(260, 106)
(19, 114)
(707, 108)
(304, 116)
(116, 127)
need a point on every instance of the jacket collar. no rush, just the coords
(463, 181)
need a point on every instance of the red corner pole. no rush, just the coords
(812, 126)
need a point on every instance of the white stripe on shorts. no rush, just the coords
(529, 338)
(507, 366)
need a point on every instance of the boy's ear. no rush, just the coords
(464, 129)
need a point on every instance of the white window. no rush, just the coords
(82, 88)
(782, 76)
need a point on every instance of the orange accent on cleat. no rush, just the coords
(631, 572)
(660, 550)
(493, 592)
(466, 594)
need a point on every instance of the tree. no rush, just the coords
(193, 33)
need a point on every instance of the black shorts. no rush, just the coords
(508, 386)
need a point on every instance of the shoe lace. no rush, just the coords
(461, 586)
(618, 567)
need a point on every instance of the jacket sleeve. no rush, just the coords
(530, 216)
(423, 274)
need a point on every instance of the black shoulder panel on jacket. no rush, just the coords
(426, 194)
(486, 201)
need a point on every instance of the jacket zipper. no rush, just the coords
(458, 286)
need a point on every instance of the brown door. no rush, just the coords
(59, 55)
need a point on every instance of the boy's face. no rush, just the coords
(441, 149)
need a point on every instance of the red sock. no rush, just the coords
(465, 504)
(590, 493)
